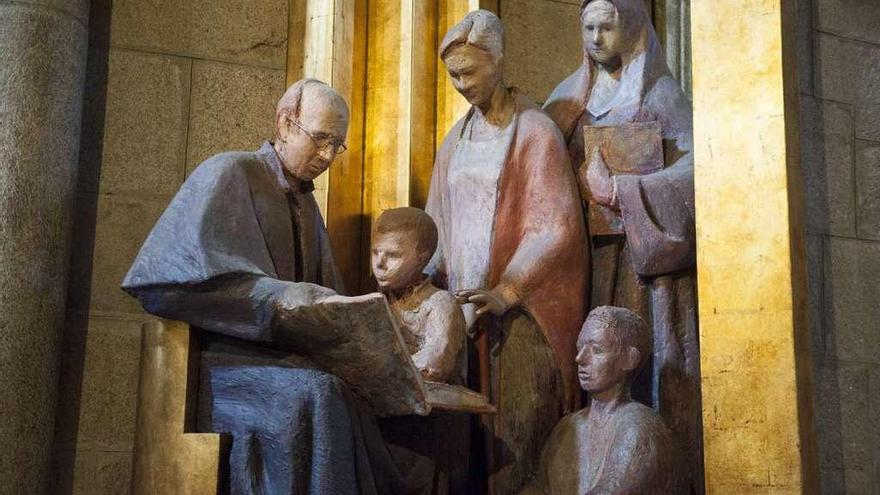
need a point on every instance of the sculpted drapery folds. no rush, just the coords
(649, 268)
(242, 245)
(512, 239)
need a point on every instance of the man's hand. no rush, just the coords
(496, 302)
(301, 294)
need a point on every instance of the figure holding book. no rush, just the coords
(629, 133)
(511, 247)
(431, 452)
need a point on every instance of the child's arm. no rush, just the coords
(444, 331)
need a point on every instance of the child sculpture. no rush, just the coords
(432, 323)
(616, 445)
(431, 452)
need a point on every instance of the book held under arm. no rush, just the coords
(627, 149)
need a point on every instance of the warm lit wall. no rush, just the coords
(839, 52)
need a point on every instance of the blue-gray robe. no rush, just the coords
(234, 241)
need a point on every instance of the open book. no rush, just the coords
(357, 339)
(628, 149)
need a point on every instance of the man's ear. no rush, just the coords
(633, 358)
(281, 129)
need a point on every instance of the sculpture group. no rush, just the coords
(553, 267)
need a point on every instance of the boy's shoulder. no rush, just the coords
(438, 299)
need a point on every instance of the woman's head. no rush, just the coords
(473, 51)
(609, 29)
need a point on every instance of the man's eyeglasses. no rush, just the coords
(322, 141)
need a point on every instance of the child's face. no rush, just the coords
(396, 261)
(602, 363)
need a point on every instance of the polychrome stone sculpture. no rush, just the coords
(512, 247)
(641, 195)
(615, 445)
(241, 248)
(431, 452)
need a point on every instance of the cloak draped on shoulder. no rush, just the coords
(538, 247)
(237, 239)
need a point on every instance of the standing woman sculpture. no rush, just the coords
(511, 246)
(650, 267)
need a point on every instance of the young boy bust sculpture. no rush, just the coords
(431, 452)
(615, 446)
(432, 323)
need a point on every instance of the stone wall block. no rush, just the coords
(827, 164)
(844, 428)
(42, 67)
(144, 135)
(857, 19)
(852, 292)
(874, 397)
(109, 389)
(122, 226)
(103, 473)
(846, 71)
(233, 108)
(78, 9)
(542, 44)
(250, 32)
(868, 189)
(868, 121)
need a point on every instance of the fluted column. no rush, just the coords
(42, 69)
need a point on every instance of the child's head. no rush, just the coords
(403, 241)
(613, 344)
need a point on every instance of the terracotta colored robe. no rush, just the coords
(650, 269)
(539, 251)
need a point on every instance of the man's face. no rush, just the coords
(602, 362)
(396, 261)
(602, 32)
(304, 156)
(474, 72)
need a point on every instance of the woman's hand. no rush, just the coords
(496, 302)
(600, 180)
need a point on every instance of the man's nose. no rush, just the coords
(596, 38)
(581, 356)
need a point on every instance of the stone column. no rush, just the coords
(754, 338)
(42, 68)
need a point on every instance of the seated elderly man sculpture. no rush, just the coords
(615, 446)
(431, 452)
(240, 246)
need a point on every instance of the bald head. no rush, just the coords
(307, 95)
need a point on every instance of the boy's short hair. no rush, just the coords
(628, 328)
(408, 219)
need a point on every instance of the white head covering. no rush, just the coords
(643, 64)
